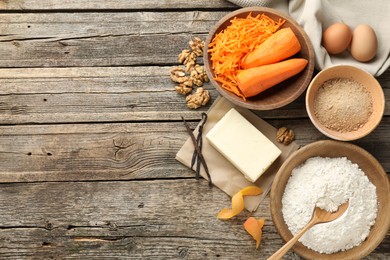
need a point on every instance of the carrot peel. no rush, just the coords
(251, 191)
(255, 228)
(238, 202)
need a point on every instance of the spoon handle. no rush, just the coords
(284, 249)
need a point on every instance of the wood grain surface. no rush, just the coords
(90, 125)
(74, 5)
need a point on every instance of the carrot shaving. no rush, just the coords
(229, 46)
(255, 228)
(238, 202)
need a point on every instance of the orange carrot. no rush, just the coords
(237, 207)
(255, 80)
(279, 46)
(238, 202)
(255, 228)
(229, 46)
(251, 191)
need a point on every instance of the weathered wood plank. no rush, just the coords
(66, 26)
(123, 50)
(124, 151)
(99, 39)
(91, 95)
(130, 219)
(102, 151)
(100, 94)
(28, 5)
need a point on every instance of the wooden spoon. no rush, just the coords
(319, 216)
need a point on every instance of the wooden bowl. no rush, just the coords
(359, 75)
(367, 163)
(286, 91)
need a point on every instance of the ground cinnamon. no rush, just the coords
(343, 105)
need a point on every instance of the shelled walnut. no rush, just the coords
(285, 135)
(190, 62)
(178, 75)
(183, 89)
(183, 56)
(188, 59)
(192, 74)
(198, 75)
(198, 99)
(197, 46)
(202, 75)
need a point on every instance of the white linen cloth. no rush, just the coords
(317, 15)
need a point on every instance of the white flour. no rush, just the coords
(327, 183)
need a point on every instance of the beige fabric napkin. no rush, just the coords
(223, 174)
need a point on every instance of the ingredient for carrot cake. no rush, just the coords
(255, 228)
(364, 43)
(243, 145)
(229, 46)
(336, 38)
(343, 105)
(285, 135)
(238, 202)
(327, 183)
(191, 75)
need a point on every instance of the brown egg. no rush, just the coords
(336, 38)
(364, 43)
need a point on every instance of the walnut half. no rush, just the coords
(183, 56)
(198, 99)
(178, 75)
(183, 89)
(197, 46)
(198, 75)
(285, 135)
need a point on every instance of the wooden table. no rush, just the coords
(90, 125)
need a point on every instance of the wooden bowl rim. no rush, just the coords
(371, 242)
(308, 71)
(346, 71)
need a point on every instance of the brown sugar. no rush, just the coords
(343, 105)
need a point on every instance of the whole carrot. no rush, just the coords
(255, 80)
(279, 46)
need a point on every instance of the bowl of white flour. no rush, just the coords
(326, 174)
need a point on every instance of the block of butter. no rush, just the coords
(243, 145)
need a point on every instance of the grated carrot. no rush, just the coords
(229, 46)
